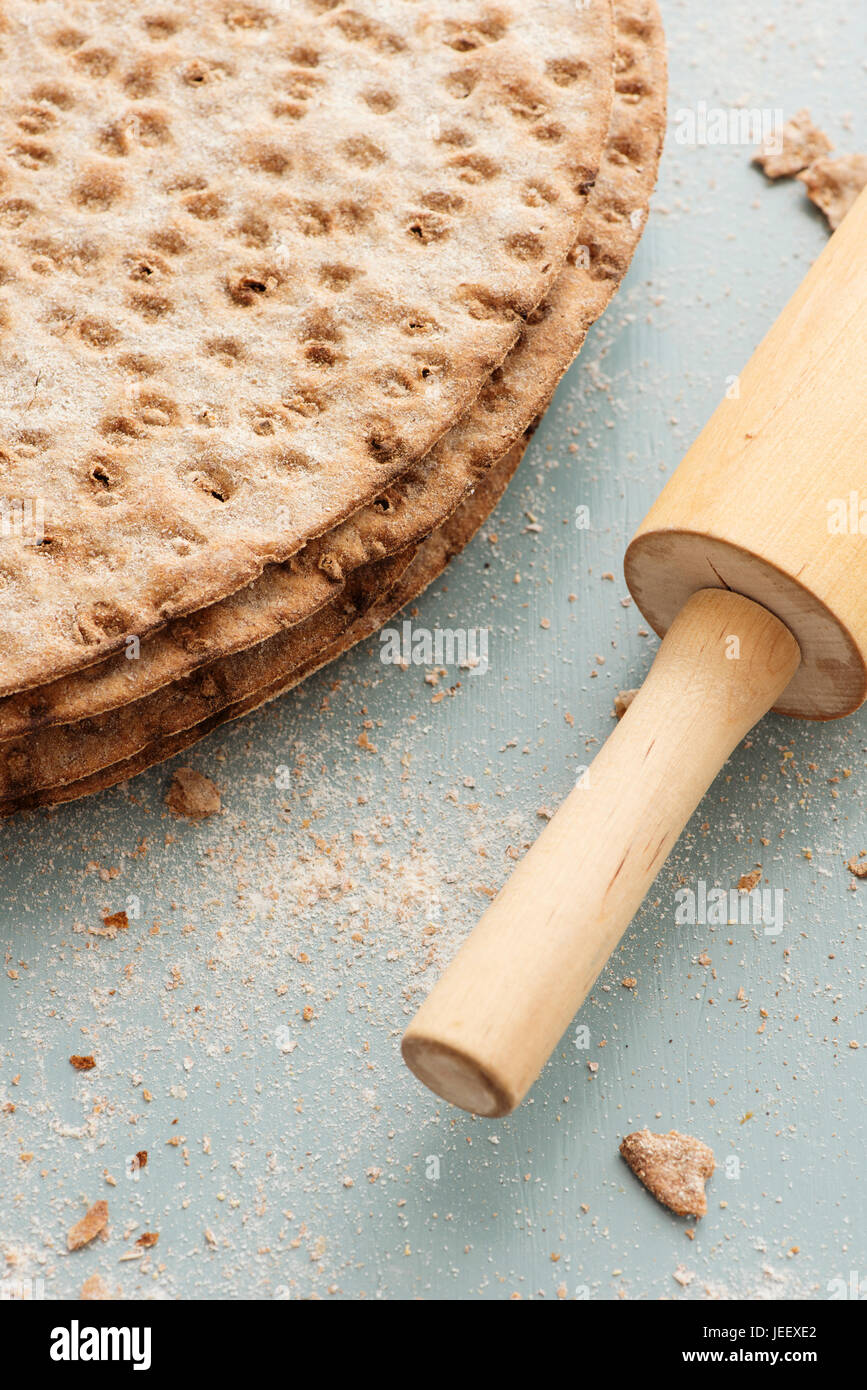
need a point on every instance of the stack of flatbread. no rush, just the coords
(284, 288)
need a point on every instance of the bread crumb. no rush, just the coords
(834, 184)
(673, 1167)
(622, 700)
(82, 1063)
(93, 1288)
(802, 142)
(747, 882)
(192, 795)
(90, 1225)
(858, 866)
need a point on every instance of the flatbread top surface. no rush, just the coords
(254, 261)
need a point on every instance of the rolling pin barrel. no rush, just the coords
(489, 1025)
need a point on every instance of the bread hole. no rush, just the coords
(524, 246)
(114, 139)
(551, 132)
(379, 100)
(246, 17)
(69, 38)
(490, 28)
(383, 442)
(14, 211)
(313, 219)
(31, 154)
(631, 89)
(429, 226)
(537, 193)
(97, 188)
(228, 351)
(300, 84)
(149, 125)
(104, 477)
(322, 354)
(54, 94)
(336, 276)
(140, 80)
(207, 206)
(481, 302)
(474, 168)
(290, 110)
(455, 136)
(382, 504)
(363, 152)
(565, 71)
(36, 120)
(358, 28)
(460, 84)
(151, 306)
(195, 73)
(440, 201)
(96, 62)
(430, 364)
(170, 240)
(304, 56)
(214, 481)
(321, 325)
(160, 26)
(156, 409)
(269, 158)
(523, 102)
(291, 460)
(417, 323)
(138, 364)
(305, 401)
(145, 267)
(95, 621)
(255, 230)
(351, 215)
(246, 290)
(394, 381)
(120, 426)
(582, 178)
(97, 333)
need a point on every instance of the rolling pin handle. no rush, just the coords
(490, 1024)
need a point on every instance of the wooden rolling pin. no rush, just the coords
(752, 565)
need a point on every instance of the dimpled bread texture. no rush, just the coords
(255, 260)
(377, 592)
(423, 496)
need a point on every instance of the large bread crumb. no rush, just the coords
(673, 1167)
(192, 795)
(802, 142)
(90, 1225)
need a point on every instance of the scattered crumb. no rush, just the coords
(802, 143)
(622, 700)
(90, 1225)
(192, 795)
(82, 1063)
(747, 882)
(834, 184)
(673, 1167)
(148, 1238)
(858, 866)
(94, 1287)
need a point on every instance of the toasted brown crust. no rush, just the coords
(258, 259)
(429, 490)
(380, 591)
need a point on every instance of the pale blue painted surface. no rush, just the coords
(284, 1130)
